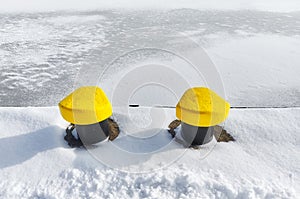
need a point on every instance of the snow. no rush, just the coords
(263, 65)
(259, 50)
(263, 162)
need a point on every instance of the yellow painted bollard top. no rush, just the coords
(202, 107)
(86, 105)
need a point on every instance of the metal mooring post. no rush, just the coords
(89, 109)
(199, 110)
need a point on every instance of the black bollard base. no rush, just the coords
(196, 135)
(93, 133)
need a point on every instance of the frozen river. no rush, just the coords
(42, 53)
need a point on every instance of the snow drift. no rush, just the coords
(262, 163)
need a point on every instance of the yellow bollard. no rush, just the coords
(199, 109)
(88, 108)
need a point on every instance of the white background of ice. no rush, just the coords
(44, 56)
(54, 5)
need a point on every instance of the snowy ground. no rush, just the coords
(262, 163)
